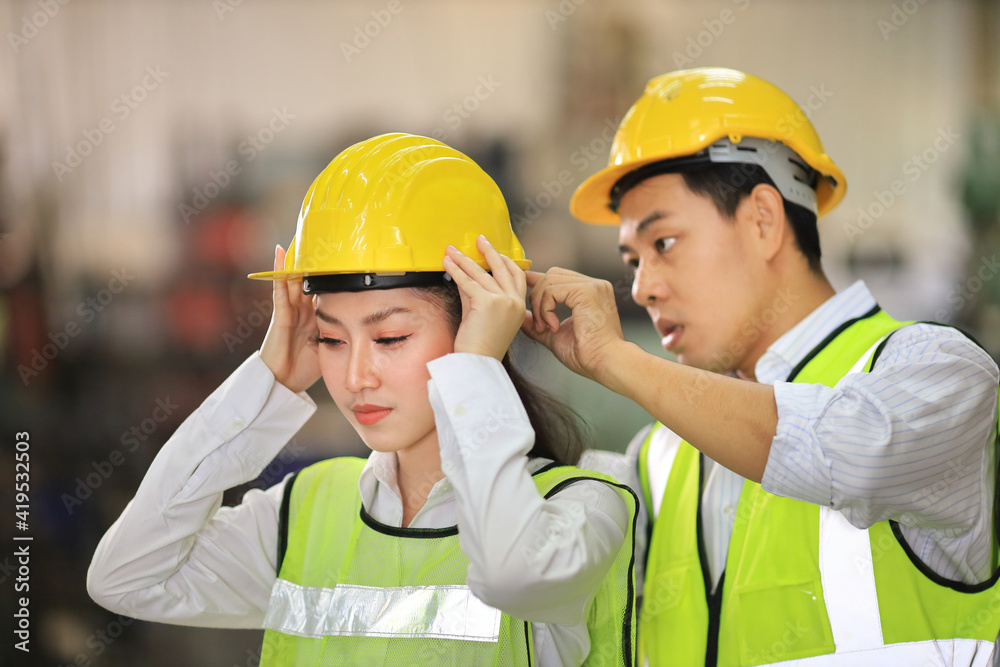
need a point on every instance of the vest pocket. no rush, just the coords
(804, 632)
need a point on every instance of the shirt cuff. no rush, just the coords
(796, 465)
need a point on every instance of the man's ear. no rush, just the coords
(764, 214)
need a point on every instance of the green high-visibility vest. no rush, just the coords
(353, 591)
(801, 585)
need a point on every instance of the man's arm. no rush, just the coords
(730, 420)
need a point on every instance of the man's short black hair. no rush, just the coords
(729, 184)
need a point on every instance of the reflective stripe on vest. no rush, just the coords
(438, 612)
(803, 586)
(353, 591)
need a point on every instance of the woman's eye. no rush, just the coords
(662, 245)
(391, 340)
(329, 342)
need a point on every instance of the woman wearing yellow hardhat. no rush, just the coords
(832, 504)
(468, 537)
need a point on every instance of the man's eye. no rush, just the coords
(632, 263)
(662, 245)
(391, 340)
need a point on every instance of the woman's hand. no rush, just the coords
(289, 348)
(492, 305)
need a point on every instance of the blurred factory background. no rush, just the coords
(152, 153)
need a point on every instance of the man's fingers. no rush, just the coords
(531, 331)
(545, 310)
(544, 298)
(574, 290)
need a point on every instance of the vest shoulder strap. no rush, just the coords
(643, 469)
(348, 466)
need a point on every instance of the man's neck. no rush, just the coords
(792, 302)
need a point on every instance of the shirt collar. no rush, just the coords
(785, 353)
(380, 468)
(379, 476)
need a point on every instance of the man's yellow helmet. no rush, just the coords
(717, 115)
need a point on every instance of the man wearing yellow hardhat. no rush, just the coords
(820, 482)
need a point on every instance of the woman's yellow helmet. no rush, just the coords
(385, 209)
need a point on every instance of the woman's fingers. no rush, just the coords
(517, 274)
(454, 266)
(505, 276)
(280, 288)
(467, 274)
(500, 270)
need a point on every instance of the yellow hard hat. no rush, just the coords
(708, 112)
(383, 211)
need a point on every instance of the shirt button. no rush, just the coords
(729, 510)
(238, 423)
(459, 411)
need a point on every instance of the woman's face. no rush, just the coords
(373, 352)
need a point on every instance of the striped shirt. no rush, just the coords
(912, 441)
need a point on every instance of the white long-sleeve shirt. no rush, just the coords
(912, 441)
(176, 556)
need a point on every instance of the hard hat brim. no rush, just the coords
(523, 264)
(590, 201)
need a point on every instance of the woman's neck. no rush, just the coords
(419, 470)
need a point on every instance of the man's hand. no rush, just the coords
(730, 420)
(584, 342)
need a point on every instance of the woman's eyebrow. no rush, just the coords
(374, 318)
(329, 319)
(383, 314)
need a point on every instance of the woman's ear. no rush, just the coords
(763, 211)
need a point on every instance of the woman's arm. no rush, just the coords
(173, 555)
(536, 559)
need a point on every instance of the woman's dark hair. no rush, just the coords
(558, 428)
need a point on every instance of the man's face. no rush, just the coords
(695, 273)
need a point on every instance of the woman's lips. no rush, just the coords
(370, 414)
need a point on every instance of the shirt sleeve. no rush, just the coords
(536, 559)
(175, 555)
(911, 440)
